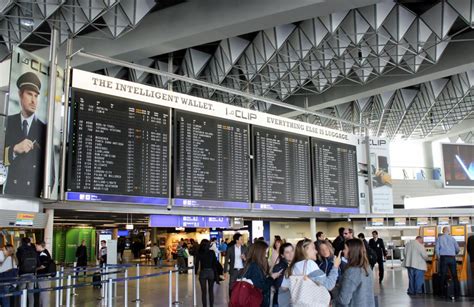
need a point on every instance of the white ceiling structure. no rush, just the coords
(404, 68)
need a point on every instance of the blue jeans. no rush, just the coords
(416, 281)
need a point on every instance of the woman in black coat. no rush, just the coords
(206, 265)
(81, 256)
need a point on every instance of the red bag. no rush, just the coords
(245, 294)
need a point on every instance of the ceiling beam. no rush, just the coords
(458, 58)
(197, 22)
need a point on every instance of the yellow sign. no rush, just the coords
(377, 221)
(24, 219)
(400, 221)
(429, 232)
(458, 230)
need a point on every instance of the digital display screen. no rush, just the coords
(458, 160)
(189, 221)
(459, 238)
(211, 158)
(282, 172)
(118, 150)
(335, 180)
(429, 239)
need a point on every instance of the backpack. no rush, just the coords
(372, 255)
(52, 268)
(245, 294)
(29, 260)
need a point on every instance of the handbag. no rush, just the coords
(306, 293)
(245, 294)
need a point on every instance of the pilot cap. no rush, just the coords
(29, 81)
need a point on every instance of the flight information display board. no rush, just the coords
(118, 148)
(335, 182)
(281, 167)
(211, 160)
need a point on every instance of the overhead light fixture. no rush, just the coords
(27, 23)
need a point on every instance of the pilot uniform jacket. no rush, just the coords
(25, 171)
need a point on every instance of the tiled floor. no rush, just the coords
(154, 292)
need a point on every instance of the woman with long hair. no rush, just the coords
(275, 256)
(258, 271)
(304, 262)
(326, 258)
(357, 284)
(206, 265)
(286, 253)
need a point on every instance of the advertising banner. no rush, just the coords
(381, 177)
(400, 221)
(25, 135)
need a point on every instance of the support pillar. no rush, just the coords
(48, 230)
(312, 225)
(369, 172)
(49, 154)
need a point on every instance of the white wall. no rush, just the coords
(411, 156)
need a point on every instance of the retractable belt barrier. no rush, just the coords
(107, 284)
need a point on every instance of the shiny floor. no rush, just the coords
(154, 292)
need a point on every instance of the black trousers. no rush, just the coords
(206, 280)
(449, 263)
(381, 272)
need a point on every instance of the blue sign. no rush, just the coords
(189, 221)
(94, 197)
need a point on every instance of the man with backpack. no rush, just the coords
(44, 272)
(27, 265)
(371, 254)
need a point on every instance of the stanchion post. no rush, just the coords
(137, 299)
(170, 288)
(125, 289)
(176, 293)
(58, 276)
(194, 290)
(61, 284)
(24, 297)
(68, 292)
(109, 300)
(76, 274)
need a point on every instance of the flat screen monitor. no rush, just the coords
(118, 150)
(281, 168)
(458, 162)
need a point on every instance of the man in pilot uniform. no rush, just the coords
(25, 142)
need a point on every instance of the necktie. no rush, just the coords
(25, 128)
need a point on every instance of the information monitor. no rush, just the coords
(118, 150)
(282, 172)
(335, 182)
(211, 159)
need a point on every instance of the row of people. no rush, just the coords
(29, 262)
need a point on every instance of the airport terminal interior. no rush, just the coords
(237, 153)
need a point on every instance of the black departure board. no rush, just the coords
(118, 146)
(211, 158)
(281, 167)
(335, 180)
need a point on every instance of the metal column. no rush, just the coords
(67, 77)
(312, 224)
(369, 170)
(48, 161)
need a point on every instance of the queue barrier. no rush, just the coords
(107, 285)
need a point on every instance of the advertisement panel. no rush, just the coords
(381, 177)
(458, 165)
(26, 124)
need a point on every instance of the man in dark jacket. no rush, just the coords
(27, 265)
(378, 246)
(338, 243)
(44, 281)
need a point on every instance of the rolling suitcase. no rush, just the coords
(96, 280)
(438, 287)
